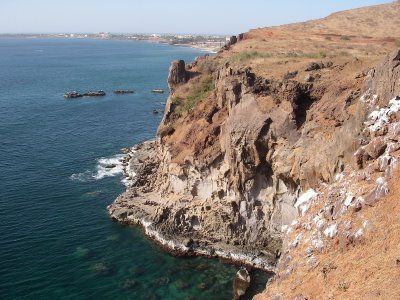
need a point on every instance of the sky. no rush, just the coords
(161, 16)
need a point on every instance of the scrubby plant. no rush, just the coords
(196, 94)
(321, 54)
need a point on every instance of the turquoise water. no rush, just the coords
(57, 241)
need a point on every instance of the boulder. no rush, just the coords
(376, 147)
(233, 40)
(381, 189)
(313, 66)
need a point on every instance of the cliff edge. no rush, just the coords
(265, 149)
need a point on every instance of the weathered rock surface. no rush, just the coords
(269, 164)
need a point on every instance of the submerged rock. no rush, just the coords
(82, 252)
(102, 269)
(241, 283)
(181, 284)
(130, 283)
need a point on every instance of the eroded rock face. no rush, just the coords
(262, 142)
(384, 80)
(240, 195)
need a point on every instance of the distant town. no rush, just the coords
(210, 43)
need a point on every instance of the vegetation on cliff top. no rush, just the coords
(197, 94)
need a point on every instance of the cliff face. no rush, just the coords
(344, 243)
(251, 136)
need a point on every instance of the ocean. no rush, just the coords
(57, 241)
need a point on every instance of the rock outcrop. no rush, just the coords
(177, 74)
(258, 166)
(340, 220)
(236, 187)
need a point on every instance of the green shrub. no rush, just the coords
(345, 38)
(343, 286)
(177, 101)
(322, 54)
(397, 43)
(199, 93)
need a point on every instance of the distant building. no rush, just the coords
(104, 35)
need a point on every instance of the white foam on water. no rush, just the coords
(103, 169)
(82, 177)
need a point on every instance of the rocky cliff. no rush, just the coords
(265, 135)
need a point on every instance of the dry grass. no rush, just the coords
(342, 35)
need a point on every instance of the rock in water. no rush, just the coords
(241, 283)
(72, 95)
(99, 93)
(121, 92)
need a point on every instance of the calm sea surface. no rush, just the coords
(57, 241)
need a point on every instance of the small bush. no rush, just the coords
(397, 43)
(345, 38)
(177, 101)
(196, 94)
(199, 93)
(343, 286)
(321, 54)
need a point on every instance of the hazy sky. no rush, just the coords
(161, 16)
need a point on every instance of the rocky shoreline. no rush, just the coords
(262, 158)
(138, 164)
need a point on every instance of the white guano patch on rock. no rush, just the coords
(304, 200)
(317, 244)
(349, 199)
(331, 231)
(379, 118)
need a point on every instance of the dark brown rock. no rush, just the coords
(177, 74)
(233, 40)
(313, 66)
